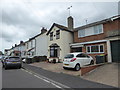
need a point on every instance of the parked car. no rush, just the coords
(12, 61)
(77, 60)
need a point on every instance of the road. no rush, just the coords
(33, 77)
(19, 78)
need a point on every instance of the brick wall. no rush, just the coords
(107, 27)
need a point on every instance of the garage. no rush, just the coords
(115, 50)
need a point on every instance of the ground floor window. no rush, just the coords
(95, 49)
(53, 51)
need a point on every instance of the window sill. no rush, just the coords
(96, 53)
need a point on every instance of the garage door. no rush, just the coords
(115, 49)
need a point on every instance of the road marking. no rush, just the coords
(56, 84)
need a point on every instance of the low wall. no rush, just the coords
(87, 69)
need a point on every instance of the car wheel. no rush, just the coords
(92, 62)
(5, 67)
(77, 67)
(2, 66)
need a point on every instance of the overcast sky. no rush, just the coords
(23, 19)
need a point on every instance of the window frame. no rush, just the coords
(99, 51)
(93, 28)
(51, 36)
(57, 34)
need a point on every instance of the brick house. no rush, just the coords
(102, 37)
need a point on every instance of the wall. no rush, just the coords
(63, 42)
(41, 45)
(107, 27)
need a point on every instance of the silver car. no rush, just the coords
(12, 61)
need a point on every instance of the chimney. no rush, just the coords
(15, 45)
(21, 42)
(70, 23)
(43, 30)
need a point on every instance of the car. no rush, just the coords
(12, 61)
(77, 60)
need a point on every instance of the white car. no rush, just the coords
(77, 60)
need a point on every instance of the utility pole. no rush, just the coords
(69, 9)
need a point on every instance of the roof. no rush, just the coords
(98, 22)
(37, 35)
(59, 26)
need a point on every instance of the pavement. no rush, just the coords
(65, 79)
(105, 74)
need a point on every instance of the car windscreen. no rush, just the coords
(14, 58)
(69, 56)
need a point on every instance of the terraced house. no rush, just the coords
(99, 38)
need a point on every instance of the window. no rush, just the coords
(51, 36)
(81, 33)
(57, 34)
(81, 55)
(69, 56)
(95, 49)
(91, 31)
(98, 29)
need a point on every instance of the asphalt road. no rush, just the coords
(18, 78)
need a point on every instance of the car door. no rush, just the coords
(88, 59)
(81, 59)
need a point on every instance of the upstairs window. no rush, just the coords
(81, 33)
(58, 34)
(51, 36)
(98, 29)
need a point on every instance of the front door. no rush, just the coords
(53, 51)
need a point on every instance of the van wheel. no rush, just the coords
(92, 62)
(77, 67)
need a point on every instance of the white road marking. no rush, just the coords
(56, 84)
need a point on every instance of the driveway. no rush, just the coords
(105, 74)
(57, 67)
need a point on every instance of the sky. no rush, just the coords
(23, 19)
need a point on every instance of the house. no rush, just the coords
(41, 43)
(59, 39)
(30, 48)
(7, 52)
(102, 37)
(17, 50)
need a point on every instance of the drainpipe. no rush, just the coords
(109, 51)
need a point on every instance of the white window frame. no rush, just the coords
(94, 52)
(92, 29)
